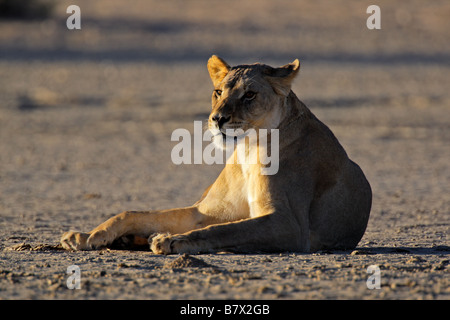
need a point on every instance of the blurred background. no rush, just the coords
(86, 115)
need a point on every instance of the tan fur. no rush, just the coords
(319, 199)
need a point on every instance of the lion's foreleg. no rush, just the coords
(139, 223)
(267, 233)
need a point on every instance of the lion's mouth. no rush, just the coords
(229, 134)
(227, 137)
(233, 133)
(233, 130)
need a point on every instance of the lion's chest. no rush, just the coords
(255, 189)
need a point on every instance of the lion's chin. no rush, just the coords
(220, 141)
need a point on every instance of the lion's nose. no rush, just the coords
(221, 120)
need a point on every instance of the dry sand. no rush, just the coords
(86, 118)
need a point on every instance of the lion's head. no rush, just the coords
(248, 96)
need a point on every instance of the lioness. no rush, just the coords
(318, 200)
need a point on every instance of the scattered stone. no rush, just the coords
(19, 247)
(415, 259)
(186, 261)
(360, 252)
(264, 289)
(40, 247)
(441, 265)
(88, 196)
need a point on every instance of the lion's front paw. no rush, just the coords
(72, 240)
(99, 239)
(161, 244)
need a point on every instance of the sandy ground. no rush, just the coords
(86, 118)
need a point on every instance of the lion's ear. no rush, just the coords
(281, 78)
(218, 69)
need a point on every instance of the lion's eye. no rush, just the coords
(249, 95)
(218, 92)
